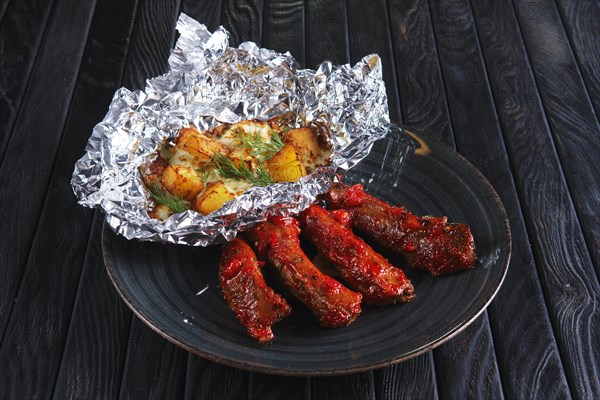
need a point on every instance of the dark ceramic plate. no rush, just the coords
(174, 289)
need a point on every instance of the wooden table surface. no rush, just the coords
(514, 86)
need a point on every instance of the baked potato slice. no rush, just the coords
(306, 143)
(182, 181)
(160, 212)
(200, 146)
(285, 165)
(212, 198)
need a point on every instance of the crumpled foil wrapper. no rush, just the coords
(210, 83)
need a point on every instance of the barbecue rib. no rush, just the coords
(428, 243)
(277, 242)
(255, 304)
(361, 267)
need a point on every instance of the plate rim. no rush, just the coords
(261, 368)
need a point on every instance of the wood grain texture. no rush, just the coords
(374, 19)
(164, 363)
(580, 20)
(419, 76)
(416, 376)
(154, 34)
(465, 81)
(243, 20)
(564, 264)
(32, 349)
(355, 386)
(423, 100)
(208, 380)
(21, 32)
(284, 27)
(264, 387)
(37, 133)
(412, 379)
(95, 348)
(155, 368)
(99, 316)
(327, 39)
(523, 124)
(205, 379)
(571, 117)
(326, 28)
(207, 12)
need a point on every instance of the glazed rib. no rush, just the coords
(256, 305)
(277, 242)
(361, 267)
(428, 243)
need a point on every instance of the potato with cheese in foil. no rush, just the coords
(201, 171)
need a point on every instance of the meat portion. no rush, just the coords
(428, 243)
(361, 267)
(255, 304)
(277, 242)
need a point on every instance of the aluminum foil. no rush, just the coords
(210, 83)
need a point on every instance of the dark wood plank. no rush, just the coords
(264, 387)
(283, 31)
(154, 34)
(571, 117)
(209, 380)
(326, 32)
(205, 379)
(32, 347)
(99, 316)
(3, 7)
(355, 386)
(471, 353)
(580, 20)
(424, 106)
(94, 353)
(414, 379)
(420, 81)
(207, 12)
(37, 133)
(327, 39)
(21, 32)
(375, 20)
(564, 263)
(243, 20)
(417, 375)
(284, 27)
(164, 363)
(155, 368)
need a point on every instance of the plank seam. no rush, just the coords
(347, 34)
(66, 341)
(393, 60)
(551, 136)
(40, 44)
(456, 147)
(570, 40)
(3, 11)
(441, 69)
(571, 384)
(54, 162)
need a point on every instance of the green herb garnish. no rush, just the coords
(257, 145)
(161, 196)
(227, 169)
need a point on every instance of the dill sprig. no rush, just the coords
(227, 169)
(257, 145)
(161, 196)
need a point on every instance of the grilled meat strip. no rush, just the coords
(428, 243)
(277, 242)
(361, 267)
(255, 304)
